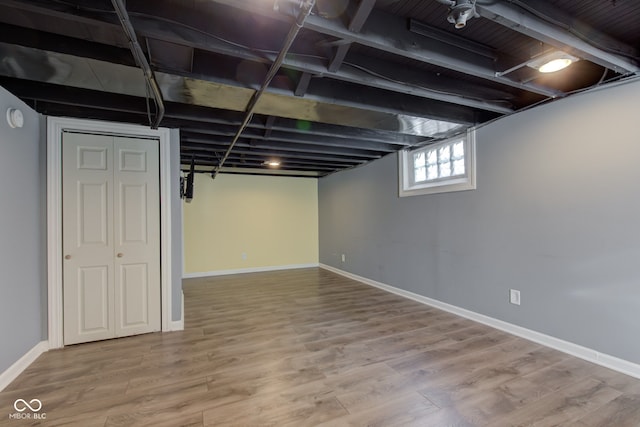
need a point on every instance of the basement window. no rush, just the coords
(438, 168)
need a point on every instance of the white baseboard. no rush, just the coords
(178, 325)
(23, 363)
(588, 354)
(247, 270)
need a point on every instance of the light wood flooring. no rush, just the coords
(309, 348)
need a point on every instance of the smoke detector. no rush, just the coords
(15, 118)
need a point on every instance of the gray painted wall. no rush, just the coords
(23, 287)
(556, 215)
(176, 229)
(22, 234)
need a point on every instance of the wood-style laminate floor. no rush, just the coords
(308, 348)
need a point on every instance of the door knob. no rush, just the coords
(67, 257)
(120, 255)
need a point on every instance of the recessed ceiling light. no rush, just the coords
(551, 62)
(272, 163)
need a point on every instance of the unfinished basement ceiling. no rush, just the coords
(362, 78)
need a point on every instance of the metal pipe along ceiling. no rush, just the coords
(140, 59)
(305, 11)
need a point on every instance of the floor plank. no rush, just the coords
(307, 348)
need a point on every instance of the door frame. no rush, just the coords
(55, 127)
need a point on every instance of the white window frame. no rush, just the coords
(407, 184)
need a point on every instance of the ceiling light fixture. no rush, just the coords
(272, 163)
(460, 11)
(552, 62)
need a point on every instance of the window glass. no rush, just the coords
(437, 168)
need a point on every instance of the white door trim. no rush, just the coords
(55, 127)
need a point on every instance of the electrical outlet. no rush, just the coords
(514, 296)
(244, 256)
(344, 258)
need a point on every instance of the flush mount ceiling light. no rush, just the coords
(552, 62)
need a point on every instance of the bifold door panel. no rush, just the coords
(111, 237)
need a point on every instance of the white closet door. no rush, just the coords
(87, 197)
(111, 242)
(137, 236)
